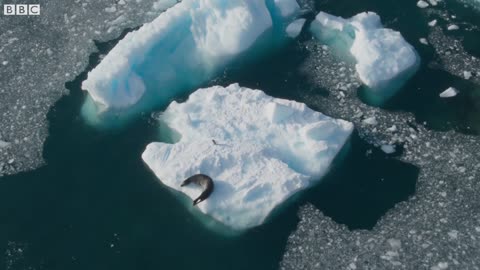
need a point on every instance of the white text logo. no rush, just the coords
(20, 9)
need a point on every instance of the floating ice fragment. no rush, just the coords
(450, 92)
(370, 121)
(185, 46)
(453, 27)
(392, 128)
(294, 29)
(453, 234)
(267, 150)
(111, 9)
(384, 60)
(4, 144)
(388, 149)
(422, 4)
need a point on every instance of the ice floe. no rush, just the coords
(422, 4)
(266, 150)
(450, 92)
(182, 48)
(384, 60)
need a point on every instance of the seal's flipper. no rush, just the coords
(197, 201)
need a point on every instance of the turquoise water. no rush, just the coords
(97, 206)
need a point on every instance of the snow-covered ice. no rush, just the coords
(267, 150)
(182, 48)
(384, 60)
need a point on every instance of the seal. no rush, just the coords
(202, 180)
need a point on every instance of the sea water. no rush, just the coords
(95, 205)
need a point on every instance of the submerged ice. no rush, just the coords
(182, 48)
(266, 150)
(384, 60)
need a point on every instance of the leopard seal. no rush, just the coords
(202, 180)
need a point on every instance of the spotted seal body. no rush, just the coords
(204, 181)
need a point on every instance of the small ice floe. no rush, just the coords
(388, 149)
(424, 41)
(384, 59)
(432, 23)
(467, 75)
(450, 92)
(422, 4)
(370, 121)
(453, 27)
(111, 9)
(392, 128)
(4, 144)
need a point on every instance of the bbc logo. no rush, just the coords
(21, 9)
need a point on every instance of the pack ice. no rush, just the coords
(383, 59)
(182, 48)
(266, 150)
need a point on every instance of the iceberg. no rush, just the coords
(266, 149)
(184, 47)
(383, 59)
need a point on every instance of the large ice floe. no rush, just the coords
(266, 150)
(181, 49)
(383, 59)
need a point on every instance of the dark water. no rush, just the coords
(97, 206)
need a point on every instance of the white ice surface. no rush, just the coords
(388, 149)
(382, 55)
(422, 4)
(182, 48)
(267, 150)
(295, 28)
(450, 92)
(287, 7)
